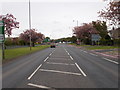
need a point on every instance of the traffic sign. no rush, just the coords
(95, 37)
(1, 31)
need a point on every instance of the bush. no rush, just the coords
(116, 42)
(106, 42)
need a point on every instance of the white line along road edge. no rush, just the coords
(80, 70)
(111, 61)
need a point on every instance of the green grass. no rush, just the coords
(100, 47)
(90, 47)
(13, 53)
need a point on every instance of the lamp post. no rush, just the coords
(78, 42)
(30, 23)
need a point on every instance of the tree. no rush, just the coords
(34, 36)
(112, 13)
(83, 33)
(10, 23)
(101, 27)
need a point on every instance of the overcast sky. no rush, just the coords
(53, 18)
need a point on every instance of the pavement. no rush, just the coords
(61, 67)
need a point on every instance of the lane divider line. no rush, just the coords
(80, 70)
(68, 54)
(38, 67)
(46, 59)
(77, 65)
(111, 60)
(34, 72)
(59, 63)
(63, 72)
(71, 57)
(39, 86)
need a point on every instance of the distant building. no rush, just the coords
(115, 33)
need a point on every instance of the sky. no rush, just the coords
(53, 18)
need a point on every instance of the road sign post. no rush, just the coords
(95, 38)
(2, 37)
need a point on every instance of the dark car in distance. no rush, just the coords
(52, 45)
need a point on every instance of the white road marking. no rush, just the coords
(85, 51)
(111, 60)
(68, 54)
(81, 50)
(80, 70)
(46, 59)
(55, 71)
(77, 64)
(50, 54)
(34, 72)
(60, 63)
(71, 57)
(93, 54)
(38, 67)
(38, 86)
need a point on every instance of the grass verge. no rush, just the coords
(90, 47)
(16, 52)
(100, 47)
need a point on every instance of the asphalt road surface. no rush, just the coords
(62, 67)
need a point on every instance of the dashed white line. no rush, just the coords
(50, 54)
(80, 70)
(38, 86)
(34, 72)
(38, 67)
(77, 64)
(59, 63)
(55, 71)
(71, 57)
(111, 60)
(46, 59)
(69, 54)
(93, 54)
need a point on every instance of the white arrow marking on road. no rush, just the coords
(55, 71)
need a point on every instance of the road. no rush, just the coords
(62, 67)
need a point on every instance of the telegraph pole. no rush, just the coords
(30, 23)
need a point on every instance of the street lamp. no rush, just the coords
(77, 22)
(78, 42)
(30, 23)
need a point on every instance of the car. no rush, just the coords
(52, 45)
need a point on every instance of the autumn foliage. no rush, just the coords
(111, 13)
(35, 37)
(85, 31)
(10, 23)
